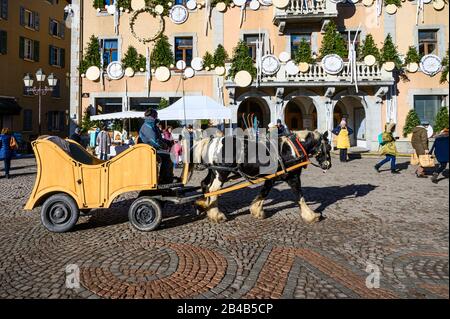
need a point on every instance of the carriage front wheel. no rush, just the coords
(59, 213)
(145, 214)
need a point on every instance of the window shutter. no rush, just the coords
(62, 52)
(36, 51)
(50, 26)
(49, 121)
(22, 16)
(62, 32)
(62, 120)
(4, 9)
(36, 21)
(50, 53)
(3, 42)
(21, 47)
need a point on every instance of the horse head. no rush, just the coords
(317, 145)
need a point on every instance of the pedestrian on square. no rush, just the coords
(440, 149)
(419, 141)
(76, 136)
(388, 148)
(167, 133)
(7, 143)
(343, 132)
(104, 143)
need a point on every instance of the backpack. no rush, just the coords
(380, 139)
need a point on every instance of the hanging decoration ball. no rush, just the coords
(98, 10)
(281, 4)
(221, 6)
(138, 5)
(243, 79)
(412, 67)
(127, 10)
(122, 9)
(292, 68)
(129, 72)
(439, 5)
(389, 66)
(169, 4)
(197, 64)
(255, 5)
(207, 68)
(142, 70)
(240, 3)
(370, 60)
(220, 70)
(162, 74)
(181, 65)
(391, 8)
(266, 2)
(303, 67)
(93, 73)
(284, 57)
(83, 75)
(192, 4)
(172, 66)
(189, 73)
(199, 6)
(159, 9)
(367, 3)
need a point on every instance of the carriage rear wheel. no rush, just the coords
(60, 213)
(145, 214)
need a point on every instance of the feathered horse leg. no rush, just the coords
(307, 214)
(256, 208)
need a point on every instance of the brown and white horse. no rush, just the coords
(209, 152)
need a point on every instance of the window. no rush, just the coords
(143, 103)
(27, 120)
(4, 9)
(56, 56)
(3, 42)
(184, 49)
(28, 49)
(352, 38)
(56, 28)
(55, 121)
(56, 93)
(29, 19)
(427, 106)
(428, 42)
(108, 105)
(251, 40)
(110, 51)
(180, 1)
(296, 39)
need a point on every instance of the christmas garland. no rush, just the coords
(157, 34)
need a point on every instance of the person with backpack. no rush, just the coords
(8, 145)
(388, 148)
(440, 149)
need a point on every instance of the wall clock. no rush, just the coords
(430, 64)
(270, 64)
(178, 14)
(332, 64)
(115, 70)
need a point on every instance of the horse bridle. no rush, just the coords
(317, 151)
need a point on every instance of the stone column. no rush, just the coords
(75, 56)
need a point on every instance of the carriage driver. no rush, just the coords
(150, 134)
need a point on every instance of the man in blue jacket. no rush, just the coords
(150, 134)
(440, 149)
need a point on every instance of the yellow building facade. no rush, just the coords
(33, 36)
(314, 99)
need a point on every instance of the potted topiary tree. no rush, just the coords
(208, 61)
(369, 51)
(332, 42)
(134, 60)
(162, 54)
(444, 75)
(441, 120)
(303, 56)
(91, 56)
(241, 61)
(220, 57)
(389, 55)
(412, 60)
(412, 120)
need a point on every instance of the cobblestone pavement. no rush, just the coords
(397, 224)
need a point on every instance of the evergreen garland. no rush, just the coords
(332, 42)
(134, 60)
(369, 48)
(162, 54)
(444, 68)
(441, 120)
(412, 120)
(303, 53)
(208, 60)
(91, 56)
(126, 4)
(389, 52)
(398, 3)
(412, 56)
(220, 56)
(215, 2)
(163, 103)
(241, 61)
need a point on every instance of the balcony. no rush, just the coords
(316, 76)
(304, 11)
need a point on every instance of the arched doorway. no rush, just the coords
(252, 108)
(300, 114)
(352, 109)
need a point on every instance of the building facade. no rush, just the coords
(314, 99)
(33, 36)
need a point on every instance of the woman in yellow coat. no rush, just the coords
(388, 148)
(343, 132)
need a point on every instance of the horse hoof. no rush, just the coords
(216, 216)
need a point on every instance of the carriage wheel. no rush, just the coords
(60, 213)
(145, 214)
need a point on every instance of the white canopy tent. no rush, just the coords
(195, 108)
(118, 116)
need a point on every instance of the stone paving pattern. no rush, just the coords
(398, 223)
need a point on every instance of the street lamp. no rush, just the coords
(40, 90)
